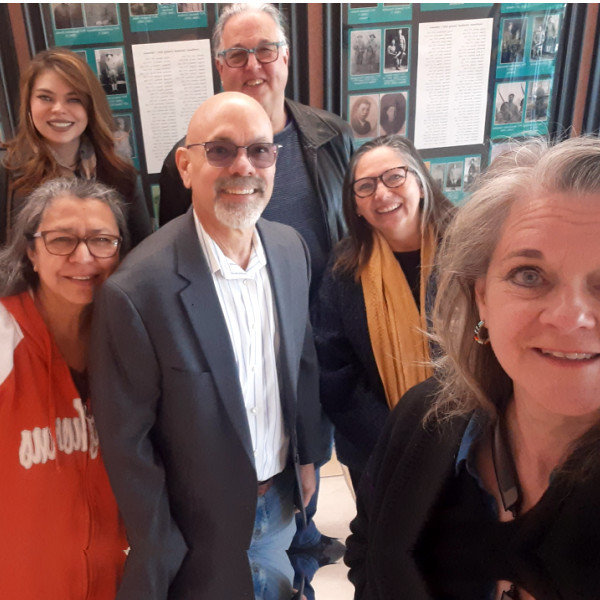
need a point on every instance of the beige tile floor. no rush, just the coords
(335, 510)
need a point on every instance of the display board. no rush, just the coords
(460, 80)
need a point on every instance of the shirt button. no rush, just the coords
(253, 410)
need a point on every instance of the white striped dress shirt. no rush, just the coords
(247, 303)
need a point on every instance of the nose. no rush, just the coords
(252, 61)
(241, 164)
(570, 308)
(381, 189)
(81, 254)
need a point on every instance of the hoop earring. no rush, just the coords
(478, 337)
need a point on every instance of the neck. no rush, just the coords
(66, 155)
(69, 326)
(540, 442)
(235, 244)
(404, 244)
(279, 119)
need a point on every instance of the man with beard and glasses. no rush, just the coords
(205, 377)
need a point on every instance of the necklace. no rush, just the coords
(505, 470)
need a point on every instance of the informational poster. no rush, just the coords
(89, 23)
(452, 83)
(455, 175)
(434, 6)
(173, 79)
(374, 12)
(110, 67)
(162, 16)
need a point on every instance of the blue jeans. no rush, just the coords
(274, 528)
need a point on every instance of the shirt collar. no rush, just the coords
(466, 452)
(218, 262)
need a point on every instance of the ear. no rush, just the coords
(220, 67)
(31, 256)
(286, 55)
(480, 297)
(184, 166)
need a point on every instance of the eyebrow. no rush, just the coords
(46, 91)
(524, 253)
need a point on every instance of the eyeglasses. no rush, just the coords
(392, 178)
(265, 53)
(60, 243)
(222, 153)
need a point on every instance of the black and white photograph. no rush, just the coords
(365, 53)
(538, 98)
(139, 9)
(544, 41)
(472, 170)
(364, 116)
(392, 113)
(111, 70)
(396, 50)
(454, 176)
(188, 7)
(100, 15)
(513, 40)
(509, 102)
(123, 136)
(437, 174)
(67, 16)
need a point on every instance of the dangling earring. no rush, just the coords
(478, 337)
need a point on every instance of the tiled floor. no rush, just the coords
(335, 510)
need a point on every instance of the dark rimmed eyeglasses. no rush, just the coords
(222, 153)
(265, 53)
(392, 178)
(61, 243)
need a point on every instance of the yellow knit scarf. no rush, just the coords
(395, 325)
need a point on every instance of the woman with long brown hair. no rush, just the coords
(65, 130)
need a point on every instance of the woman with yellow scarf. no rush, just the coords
(376, 292)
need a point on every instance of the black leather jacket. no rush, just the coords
(327, 145)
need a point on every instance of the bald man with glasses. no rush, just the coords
(205, 377)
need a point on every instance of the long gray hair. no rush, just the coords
(16, 270)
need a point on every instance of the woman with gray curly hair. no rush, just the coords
(486, 481)
(61, 532)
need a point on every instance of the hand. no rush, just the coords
(309, 482)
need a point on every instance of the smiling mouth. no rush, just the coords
(239, 192)
(60, 124)
(388, 209)
(255, 82)
(573, 356)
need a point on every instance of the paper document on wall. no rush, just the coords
(172, 79)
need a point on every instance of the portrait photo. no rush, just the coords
(396, 50)
(544, 41)
(138, 9)
(123, 136)
(364, 116)
(365, 51)
(514, 32)
(437, 174)
(188, 7)
(472, 170)
(509, 102)
(538, 99)
(111, 70)
(392, 113)
(100, 15)
(67, 16)
(454, 176)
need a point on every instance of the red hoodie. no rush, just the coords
(61, 537)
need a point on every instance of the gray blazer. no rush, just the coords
(171, 416)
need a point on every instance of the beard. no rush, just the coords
(240, 215)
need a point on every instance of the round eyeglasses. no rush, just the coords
(265, 53)
(392, 178)
(61, 243)
(223, 153)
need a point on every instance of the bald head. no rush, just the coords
(229, 180)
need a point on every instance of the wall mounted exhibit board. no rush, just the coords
(154, 63)
(460, 80)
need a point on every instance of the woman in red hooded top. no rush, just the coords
(61, 537)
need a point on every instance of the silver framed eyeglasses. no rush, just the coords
(392, 178)
(62, 243)
(223, 153)
(265, 53)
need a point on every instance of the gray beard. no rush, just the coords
(239, 216)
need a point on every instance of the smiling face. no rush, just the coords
(233, 197)
(394, 212)
(540, 300)
(263, 82)
(75, 278)
(58, 112)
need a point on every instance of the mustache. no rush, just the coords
(260, 185)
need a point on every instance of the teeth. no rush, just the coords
(87, 278)
(254, 82)
(388, 209)
(239, 192)
(569, 355)
(60, 125)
